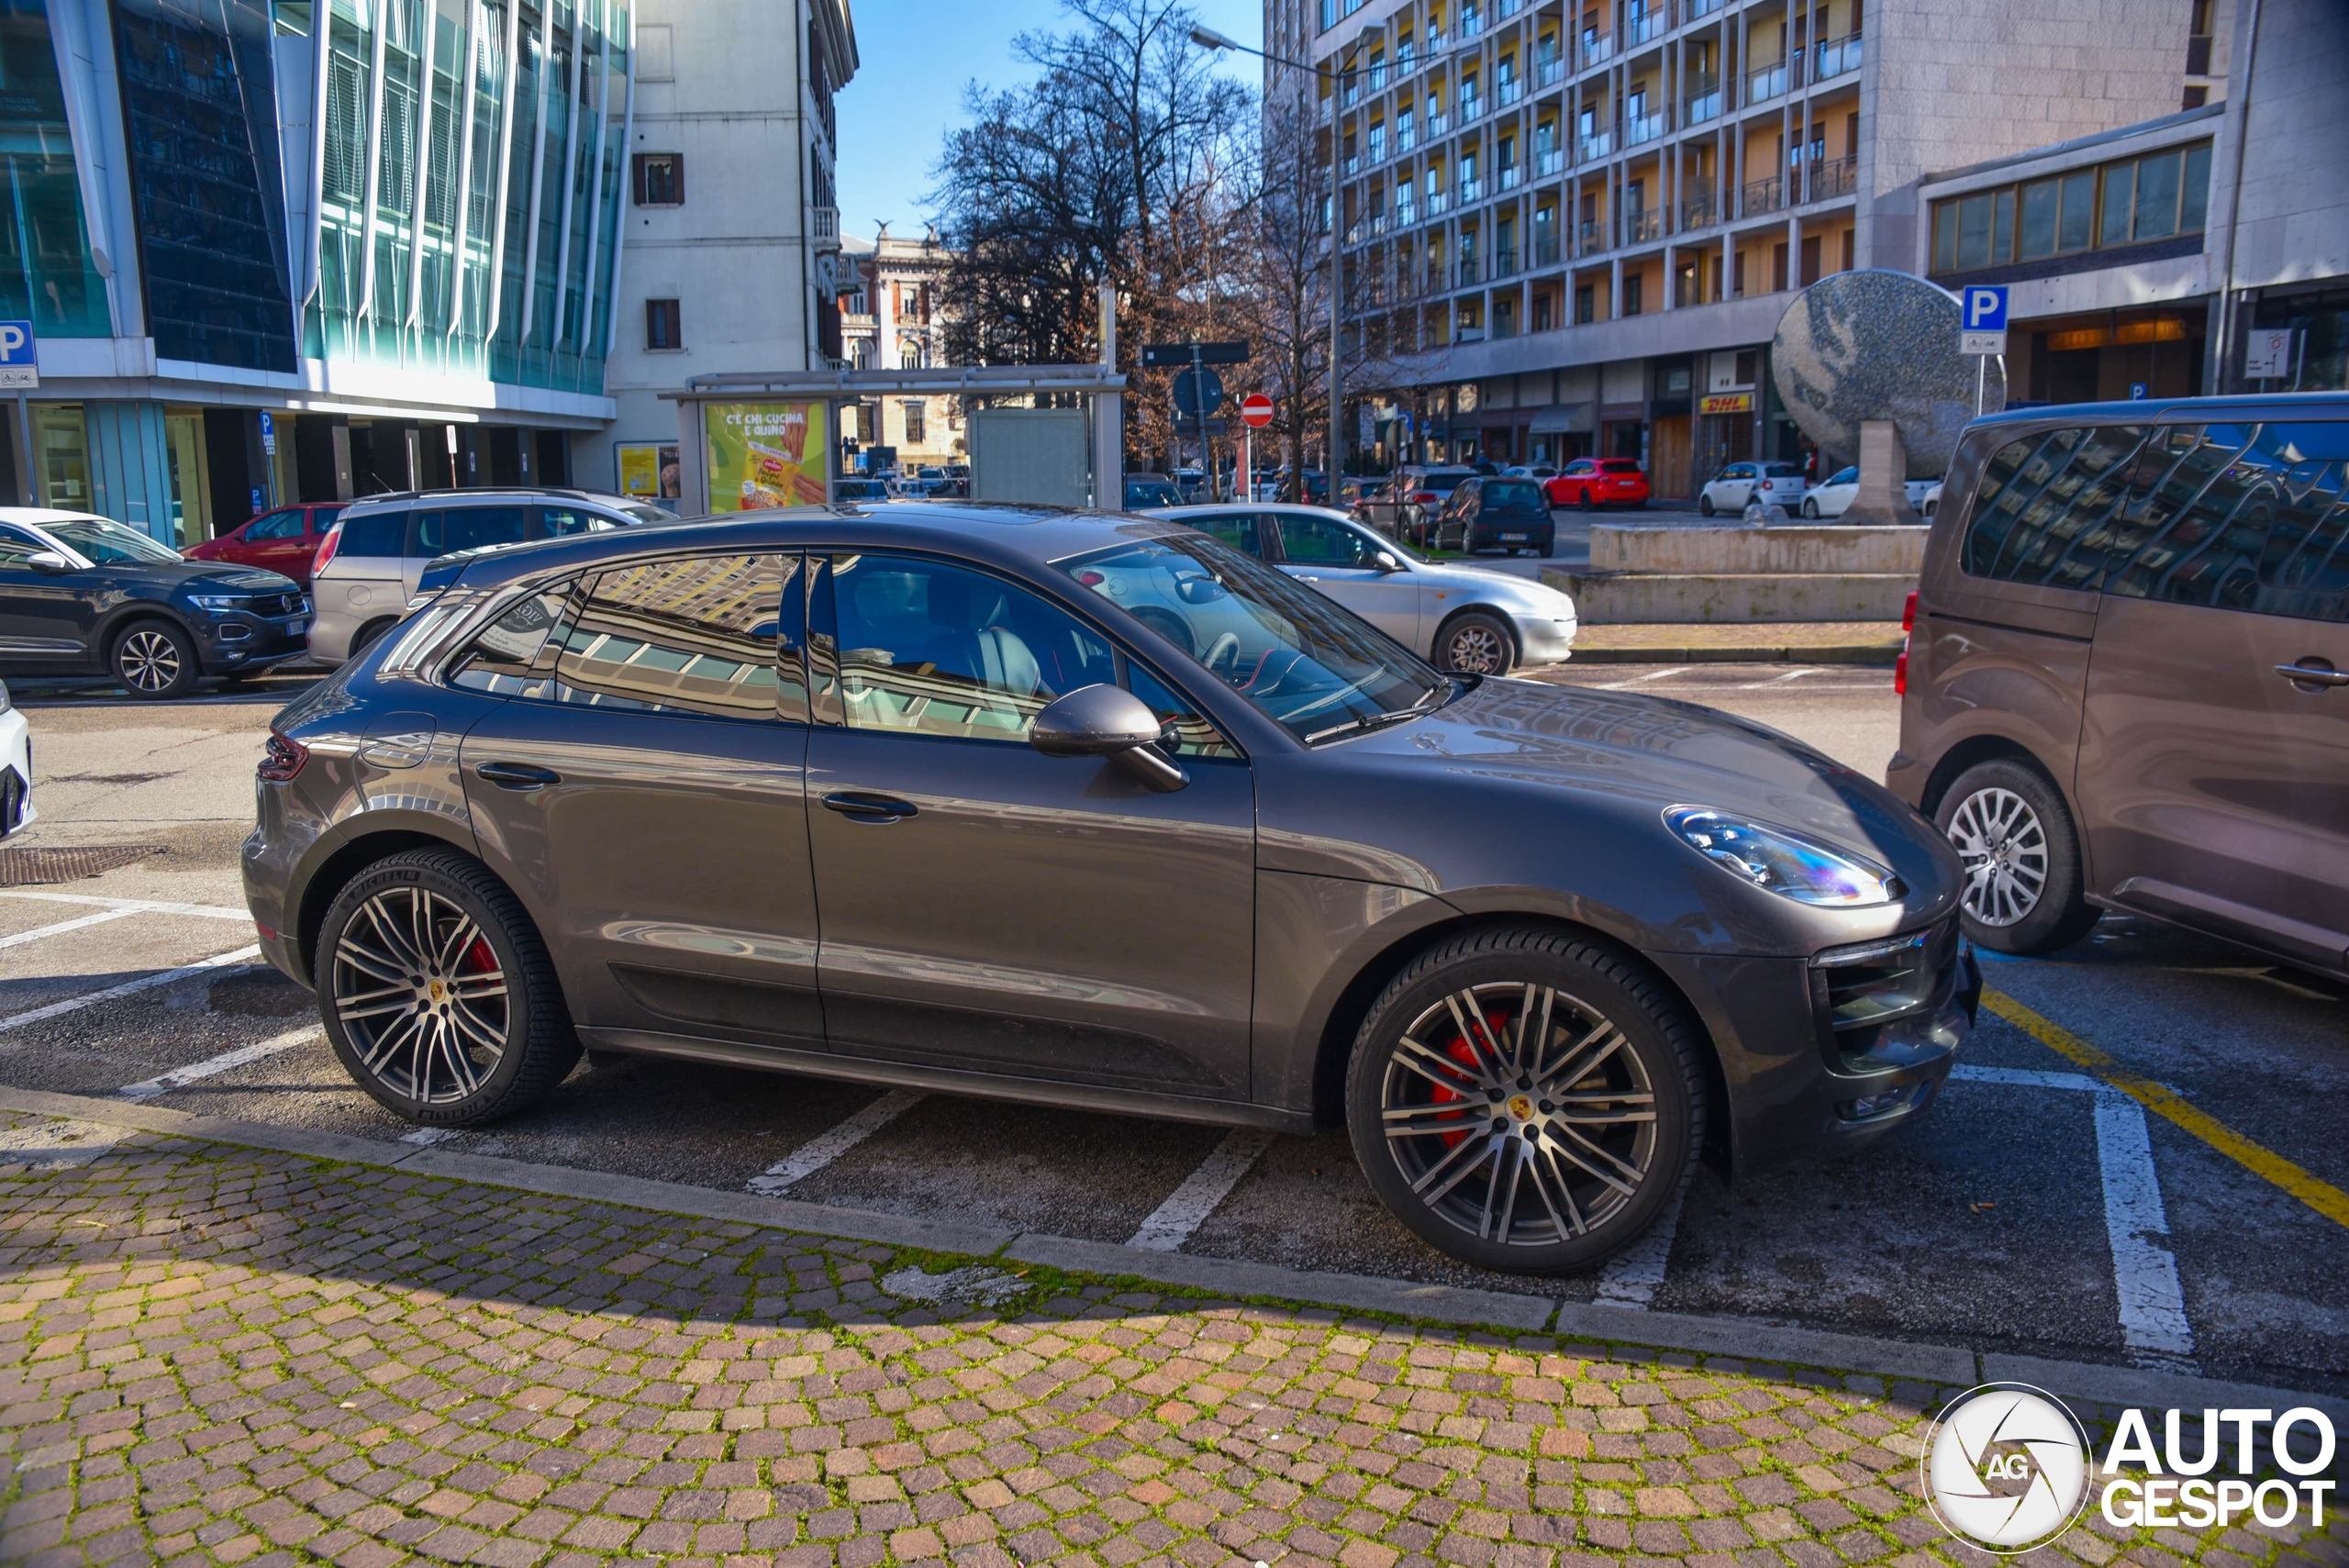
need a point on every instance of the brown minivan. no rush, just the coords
(2124, 687)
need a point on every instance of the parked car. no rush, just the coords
(1403, 505)
(860, 490)
(1507, 514)
(82, 595)
(368, 566)
(1145, 492)
(1770, 484)
(16, 767)
(1529, 471)
(1458, 617)
(2127, 673)
(1591, 483)
(1835, 498)
(284, 541)
(1537, 948)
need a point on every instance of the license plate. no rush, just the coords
(1508, 538)
(296, 627)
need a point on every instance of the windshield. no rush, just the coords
(1441, 483)
(1307, 664)
(1518, 492)
(1152, 492)
(109, 543)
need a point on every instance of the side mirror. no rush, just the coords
(1107, 721)
(1386, 562)
(48, 561)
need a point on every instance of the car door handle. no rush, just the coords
(2314, 674)
(518, 775)
(860, 807)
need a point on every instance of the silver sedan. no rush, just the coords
(1461, 619)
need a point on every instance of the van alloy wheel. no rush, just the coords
(422, 996)
(2004, 847)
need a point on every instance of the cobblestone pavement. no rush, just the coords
(211, 1354)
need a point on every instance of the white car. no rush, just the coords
(1461, 619)
(1770, 484)
(1835, 498)
(16, 767)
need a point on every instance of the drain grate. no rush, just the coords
(21, 865)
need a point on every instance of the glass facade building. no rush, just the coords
(46, 273)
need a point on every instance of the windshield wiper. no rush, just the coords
(1365, 722)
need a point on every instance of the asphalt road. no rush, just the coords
(2027, 1212)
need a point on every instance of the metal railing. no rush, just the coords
(1378, 74)
(1595, 47)
(1639, 27)
(1548, 161)
(1545, 251)
(1438, 203)
(1500, 264)
(1642, 129)
(1407, 134)
(1406, 213)
(1642, 226)
(1590, 236)
(1472, 191)
(1509, 177)
(1509, 92)
(1597, 145)
(1692, 9)
(1468, 271)
(1470, 106)
(1835, 57)
(1834, 177)
(1704, 101)
(1545, 72)
(1699, 211)
(1768, 82)
(1762, 195)
(1472, 22)
(1437, 125)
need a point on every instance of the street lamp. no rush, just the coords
(1207, 37)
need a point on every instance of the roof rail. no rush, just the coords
(474, 490)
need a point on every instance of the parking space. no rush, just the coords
(2039, 1208)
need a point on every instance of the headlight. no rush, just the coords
(4, 704)
(217, 604)
(1784, 862)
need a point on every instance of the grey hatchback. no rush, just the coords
(1095, 811)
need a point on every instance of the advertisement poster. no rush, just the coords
(649, 471)
(765, 455)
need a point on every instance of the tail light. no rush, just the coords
(325, 550)
(1901, 671)
(1908, 613)
(283, 759)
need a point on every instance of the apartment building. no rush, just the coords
(733, 229)
(305, 250)
(1572, 227)
(890, 320)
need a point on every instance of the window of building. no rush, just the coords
(663, 326)
(916, 424)
(659, 179)
(1631, 294)
(909, 356)
(1585, 303)
(2129, 202)
(47, 275)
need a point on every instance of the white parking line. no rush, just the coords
(144, 982)
(196, 1072)
(2136, 1223)
(1642, 680)
(133, 906)
(830, 1145)
(76, 924)
(1188, 1207)
(1789, 676)
(426, 1137)
(1633, 1277)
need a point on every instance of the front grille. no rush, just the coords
(271, 606)
(1864, 995)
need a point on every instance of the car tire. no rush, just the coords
(1475, 643)
(1550, 545)
(1589, 504)
(368, 634)
(1705, 506)
(2023, 890)
(474, 1007)
(1421, 1050)
(1810, 509)
(154, 660)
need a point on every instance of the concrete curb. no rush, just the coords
(1721, 1339)
(1832, 654)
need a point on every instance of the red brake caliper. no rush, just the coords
(479, 959)
(1460, 1051)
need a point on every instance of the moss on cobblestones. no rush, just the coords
(211, 1354)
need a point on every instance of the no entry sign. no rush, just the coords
(1256, 410)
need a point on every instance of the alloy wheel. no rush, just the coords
(150, 662)
(1518, 1114)
(422, 995)
(2004, 846)
(1476, 649)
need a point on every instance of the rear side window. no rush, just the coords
(467, 528)
(698, 636)
(1780, 470)
(374, 534)
(322, 518)
(562, 521)
(1618, 465)
(500, 659)
(2227, 516)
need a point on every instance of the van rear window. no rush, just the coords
(374, 534)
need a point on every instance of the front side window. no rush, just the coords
(1304, 663)
(277, 525)
(696, 636)
(17, 550)
(1240, 530)
(109, 543)
(927, 648)
(560, 522)
(1318, 542)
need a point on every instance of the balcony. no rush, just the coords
(1638, 227)
(1472, 22)
(1692, 9)
(1510, 176)
(1407, 135)
(1546, 71)
(1767, 83)
(1353, 165)
(1639, 129)
(1467, 272)
(1545, 251)
(1834, 177)
(1590, 237)
(1699, 212)
(1437, 125)
(1703, 102)
(824, 227)
(1470, 106)
(1377, 149)
(2198, 54)
(1643, 27)
(1472, 191)
(1378, 75)
(1594, 146)
(1406, 214)
(1438, 203)
(1501, 265)
(1595, 47)
(1511, 8)
(1764, 195)
(1509, 91)
(1836, 57)
(1548, 161)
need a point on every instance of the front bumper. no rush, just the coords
(1545, 641)
(226, 644)
(1815, 1069)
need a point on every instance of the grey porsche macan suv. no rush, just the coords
(1095, 811)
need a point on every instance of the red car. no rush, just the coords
(1591, 483)
(285, 540)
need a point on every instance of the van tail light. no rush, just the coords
(1901, 671)
(1908, 613)
(1425, 495)
(283, 759)
(325, 550)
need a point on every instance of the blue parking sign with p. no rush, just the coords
(16, 347)
(1985, 307)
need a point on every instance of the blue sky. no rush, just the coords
(917, 55)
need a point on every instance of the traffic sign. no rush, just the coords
(1168, 356)
(268, 434)
(1198, 393)
(1982, 329)
(19, 356)
(1256, 410)
(2266, 352)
